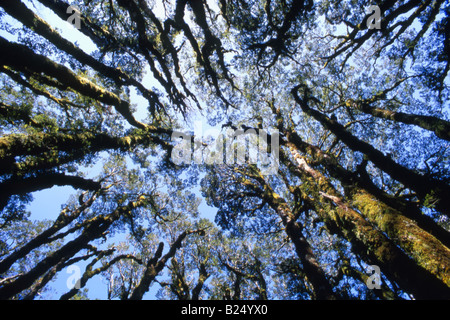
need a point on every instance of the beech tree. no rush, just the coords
(346, 100)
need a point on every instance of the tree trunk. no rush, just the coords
(94, 230)
(430, 191)
(322, 289)
(439, 127)
(372, 245)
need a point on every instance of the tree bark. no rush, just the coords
(322, 289)
(89, 272)
(428, 190)
(155, 265)
(425, 250)
(361, 181)
(24, 59)
(94, 230)
(368, 242)
(63, 220)
(439, 127)
(77, 145)
(19, 11)
(202, 277)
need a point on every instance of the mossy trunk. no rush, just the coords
(429, 190)
(439, 127)
(75, 146)
(23, 59)
(370, 243)
(93, 230)
(156, 264)
(362, 180)
(322, 289)
(65, 217)
(426, 250)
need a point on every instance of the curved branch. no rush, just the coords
(22, 58)
(424, 186)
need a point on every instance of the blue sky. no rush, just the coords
(47, 203)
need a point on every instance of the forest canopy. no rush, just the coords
(225, 150)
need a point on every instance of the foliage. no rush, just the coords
(362, 175)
